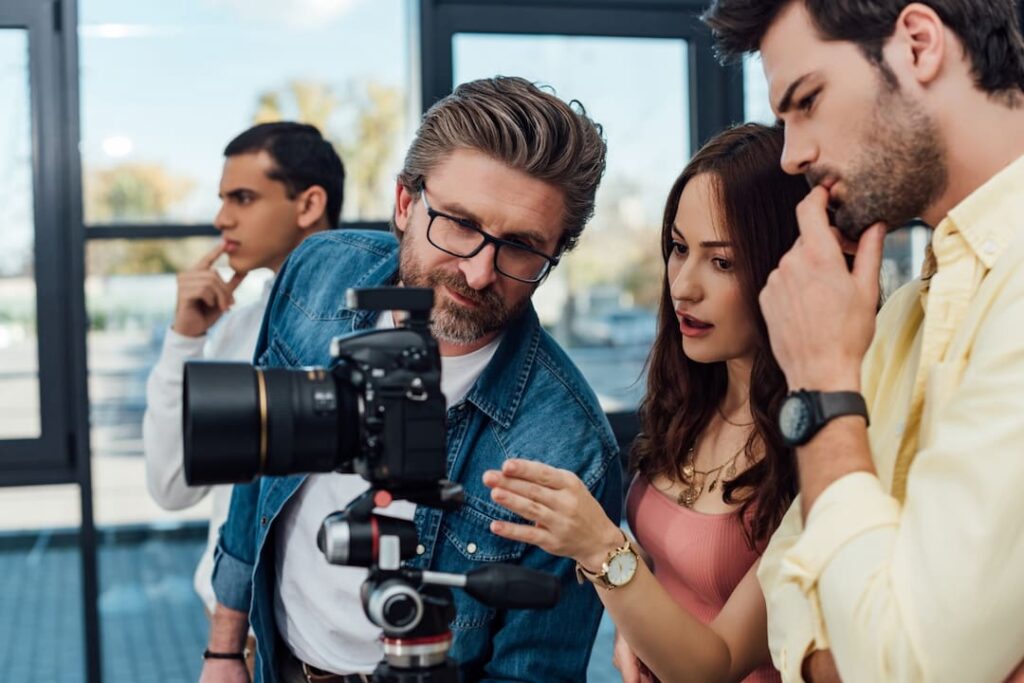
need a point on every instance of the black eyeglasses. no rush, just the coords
(462, 238)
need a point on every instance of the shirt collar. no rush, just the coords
(987, 219)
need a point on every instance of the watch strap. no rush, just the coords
(839, 403)
(601, 578)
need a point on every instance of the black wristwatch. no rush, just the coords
(804, 413)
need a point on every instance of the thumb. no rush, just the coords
(868, 260)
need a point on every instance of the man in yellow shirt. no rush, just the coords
(903, 557)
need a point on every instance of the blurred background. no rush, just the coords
(114, 117)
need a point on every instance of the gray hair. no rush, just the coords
(530, 130)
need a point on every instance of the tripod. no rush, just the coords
(414, 607)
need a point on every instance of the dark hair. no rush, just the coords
(523, 126)
(302, 158)
(758, 208)
(988, 29)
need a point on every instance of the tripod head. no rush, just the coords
(414, 607)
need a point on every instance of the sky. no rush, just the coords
(178, 80)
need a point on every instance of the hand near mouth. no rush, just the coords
(203, 297)
(820, 314)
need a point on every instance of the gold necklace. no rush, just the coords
(728, 421)
(688, 496)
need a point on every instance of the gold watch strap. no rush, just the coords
(601, 578)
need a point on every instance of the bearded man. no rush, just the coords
(498, 184)
(902, 558)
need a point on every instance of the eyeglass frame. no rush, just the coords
(498, 243)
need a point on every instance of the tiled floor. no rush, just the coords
(153, 626)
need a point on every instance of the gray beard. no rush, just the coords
(451, 322)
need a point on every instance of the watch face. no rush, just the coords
(794, 419)
(621, 568)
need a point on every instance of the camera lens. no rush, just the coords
(241, 421)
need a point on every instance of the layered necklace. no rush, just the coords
(695, 479)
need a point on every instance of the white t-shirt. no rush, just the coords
(316, 604)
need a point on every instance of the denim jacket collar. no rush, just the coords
(499, 390)
(384, 271)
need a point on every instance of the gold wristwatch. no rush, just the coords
(618, 570)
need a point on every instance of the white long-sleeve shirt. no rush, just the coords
(232, 339)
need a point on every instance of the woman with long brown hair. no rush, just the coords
(713, 476)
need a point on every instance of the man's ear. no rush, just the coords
(312, 207)
(403, 206)
(920, 42)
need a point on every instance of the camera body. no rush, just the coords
(397, 378)
(377, 411)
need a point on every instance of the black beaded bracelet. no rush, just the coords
(224, 655)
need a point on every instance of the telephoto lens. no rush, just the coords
(240, 421)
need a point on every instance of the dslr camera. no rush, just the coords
(378, 412)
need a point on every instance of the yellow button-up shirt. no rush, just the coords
(917, 574)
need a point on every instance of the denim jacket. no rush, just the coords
(529, 402)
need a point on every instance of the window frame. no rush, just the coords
(716, 92)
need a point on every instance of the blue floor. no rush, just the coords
(153, 627)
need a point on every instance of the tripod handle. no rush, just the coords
(509, 586)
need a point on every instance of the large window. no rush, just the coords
(130, 295)
(601, 300)
(165, 86)
(146, 95)
(19, 348)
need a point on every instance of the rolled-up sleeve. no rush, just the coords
(234, 557)
(791, 621)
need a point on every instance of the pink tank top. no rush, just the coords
(698, 558)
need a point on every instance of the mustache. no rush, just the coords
(483, 297)
(816, 176)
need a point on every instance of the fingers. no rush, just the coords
(520, 532)
(868, 259)
(625, 661)
(848, 246)
(205, 286)
(522, 506)
(812, 217)
(207, 261)
(523, 487)
(538, 472)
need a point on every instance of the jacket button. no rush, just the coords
(420, 549)
(263, 520)
(471, 548)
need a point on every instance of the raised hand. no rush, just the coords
(821, 316)
(567, 520)
(203, 297)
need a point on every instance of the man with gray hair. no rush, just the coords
(498, 184)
